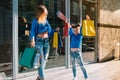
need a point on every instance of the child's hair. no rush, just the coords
(75, 25)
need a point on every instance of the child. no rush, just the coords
(75, 33)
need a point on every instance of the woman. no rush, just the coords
(39, 38)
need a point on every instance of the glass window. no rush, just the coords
(47, 4)
(75, 12)
(6, 37)
(26, 11)
(83, 11)
(93, 13)
(75, 8)
(88, 46)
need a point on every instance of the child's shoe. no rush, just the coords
(87, 79)
(75, 78)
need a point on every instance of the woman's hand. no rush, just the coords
(32, 43)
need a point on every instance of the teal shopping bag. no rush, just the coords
(27, 57)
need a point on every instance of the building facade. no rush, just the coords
(108, 28)
(15, 24)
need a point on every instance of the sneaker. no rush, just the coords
(75, 78)
(38, 78)
(37, 66)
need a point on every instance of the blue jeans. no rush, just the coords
(42, 47)
(76, 55)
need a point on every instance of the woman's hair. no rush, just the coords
(41, 11)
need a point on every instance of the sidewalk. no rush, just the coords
(98, 71)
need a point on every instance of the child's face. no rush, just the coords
(76, 30)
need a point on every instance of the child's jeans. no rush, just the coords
(76, 55)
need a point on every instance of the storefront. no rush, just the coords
(15, 23)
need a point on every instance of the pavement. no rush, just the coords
(109, 70)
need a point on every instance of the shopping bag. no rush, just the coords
(27, 57)
(88, 28)
(65, 31)
(55, 40)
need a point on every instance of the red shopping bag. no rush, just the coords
(65, 32)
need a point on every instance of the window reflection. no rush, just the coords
(75, 8)
(88, 45)
(27, 10)
(6, 37)
(26, 14)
